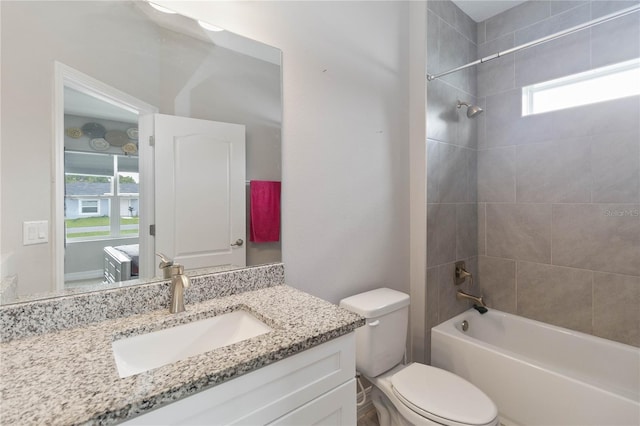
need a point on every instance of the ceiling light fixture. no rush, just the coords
(209, 27)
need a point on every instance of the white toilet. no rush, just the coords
(414, 394)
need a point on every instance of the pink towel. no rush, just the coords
(265, 211)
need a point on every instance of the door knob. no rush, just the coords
(238, 243)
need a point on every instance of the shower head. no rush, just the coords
(472, 110)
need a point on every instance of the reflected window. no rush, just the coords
(101, 196)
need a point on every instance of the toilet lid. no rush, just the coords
(442, 396)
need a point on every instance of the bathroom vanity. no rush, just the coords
(316, 386)
(299, 372)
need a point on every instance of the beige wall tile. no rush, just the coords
(498, 283)
(442, 115)
(599, 237)
(431, 317)
(455, 173)
(433, 166)
(441, 234)
(606, 45)
(497, 175)
(505, 125)
(616, 307)
(556, 295)
(554, 24)
(619, 115)
(497, 75)
(466, 230)
(615, 161)
(519, 231)
(518, 17)
(557, 58)
(554, 172)
(482, 233)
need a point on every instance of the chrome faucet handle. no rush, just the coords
(165, 262)
(461, 274)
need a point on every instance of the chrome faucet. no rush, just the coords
(464, 295)
(460, 275)
(179, 282)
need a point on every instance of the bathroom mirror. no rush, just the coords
(174, 64)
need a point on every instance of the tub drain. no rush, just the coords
(465, 325)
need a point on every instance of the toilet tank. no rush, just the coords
(380, 343)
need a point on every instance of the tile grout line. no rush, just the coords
(516, 286)
(573, 268)
(485, 229)
(593, 303)
(551, 236)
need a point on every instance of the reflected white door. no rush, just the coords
(200, 191)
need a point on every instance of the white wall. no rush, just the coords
(27, 143)
(345, 136)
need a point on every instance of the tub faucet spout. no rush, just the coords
(479, 301)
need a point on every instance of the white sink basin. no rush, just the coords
(144, 352)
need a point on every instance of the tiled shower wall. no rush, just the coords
(559, 192)
(452, 209)
(556, 195)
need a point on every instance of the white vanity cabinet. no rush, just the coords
(313, 387)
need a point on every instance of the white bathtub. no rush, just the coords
(539, 374)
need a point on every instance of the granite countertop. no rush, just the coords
(70, 377)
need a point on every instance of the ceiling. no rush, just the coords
(84, 105)
(479, 10)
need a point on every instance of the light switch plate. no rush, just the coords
(35, 232)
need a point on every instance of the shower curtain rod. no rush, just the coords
(536, 42)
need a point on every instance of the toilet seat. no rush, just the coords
(428, 392)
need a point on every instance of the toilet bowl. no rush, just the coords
(414, 394)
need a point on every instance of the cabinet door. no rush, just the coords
(334, 408)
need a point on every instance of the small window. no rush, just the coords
(89, 207)
(601, 84)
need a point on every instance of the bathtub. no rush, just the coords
(539, 374)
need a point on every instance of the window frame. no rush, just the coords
(529, 92)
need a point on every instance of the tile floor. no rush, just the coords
(368, 418)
